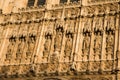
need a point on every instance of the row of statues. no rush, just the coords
(97, 47)
(21, 47)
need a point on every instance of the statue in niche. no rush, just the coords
(47, 45)
(97, 45)
(86, 44)
(110, 40)
(68, 46)
(31, 45)
(58, 39)
(98, 39)
(21, 47)
(109, 45)
(10, 49)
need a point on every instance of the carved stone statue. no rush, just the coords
(10, 49)
(98, 39)
(58, 40)
(20, 48)
(110, 40)
(68, 46)
(97, 46)
(86, 43)
(109, 45)
(47, 46)
(31, 46)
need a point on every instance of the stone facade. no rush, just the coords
(60, 40)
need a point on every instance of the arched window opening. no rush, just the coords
(63, 1)
(41, 2)
(31, 2)
(74, 0)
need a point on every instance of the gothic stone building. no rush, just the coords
(60, 39)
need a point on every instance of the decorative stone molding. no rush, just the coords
(43, 42)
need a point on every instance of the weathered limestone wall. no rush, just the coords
(80, 40)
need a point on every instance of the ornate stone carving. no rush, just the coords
(5, 70)
(16, 17)
(106, 78)
(86, 44)
(7, 18)
(14, 69)
(94, 66)
(72, 12)
(43, 67)
(52, 67)
(100, 2)
(54, 58)
(21, 46)
(98, 24)
(58, 38)
(47, 44)
(110, 23)
(108, 65)
(97, 45)
(64, 67)
(83, 66)
(25, 68)
(87, 25)
(98, 37)
(31, 45)
(75, 32)
(10, 49)
(68, 46)
(52, 79)
(109, 45)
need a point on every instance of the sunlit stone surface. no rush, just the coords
(59, 39)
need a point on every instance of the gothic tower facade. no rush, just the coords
(60, 39)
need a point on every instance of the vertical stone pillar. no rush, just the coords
(76, 24)
(52, 42)
(36, 1)
(4, 44)
(79, 53)
(38, 51)
(118, 53)
(116, 40)
(78, 41)
(103, 51)
(63, 41)
(91, 53)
